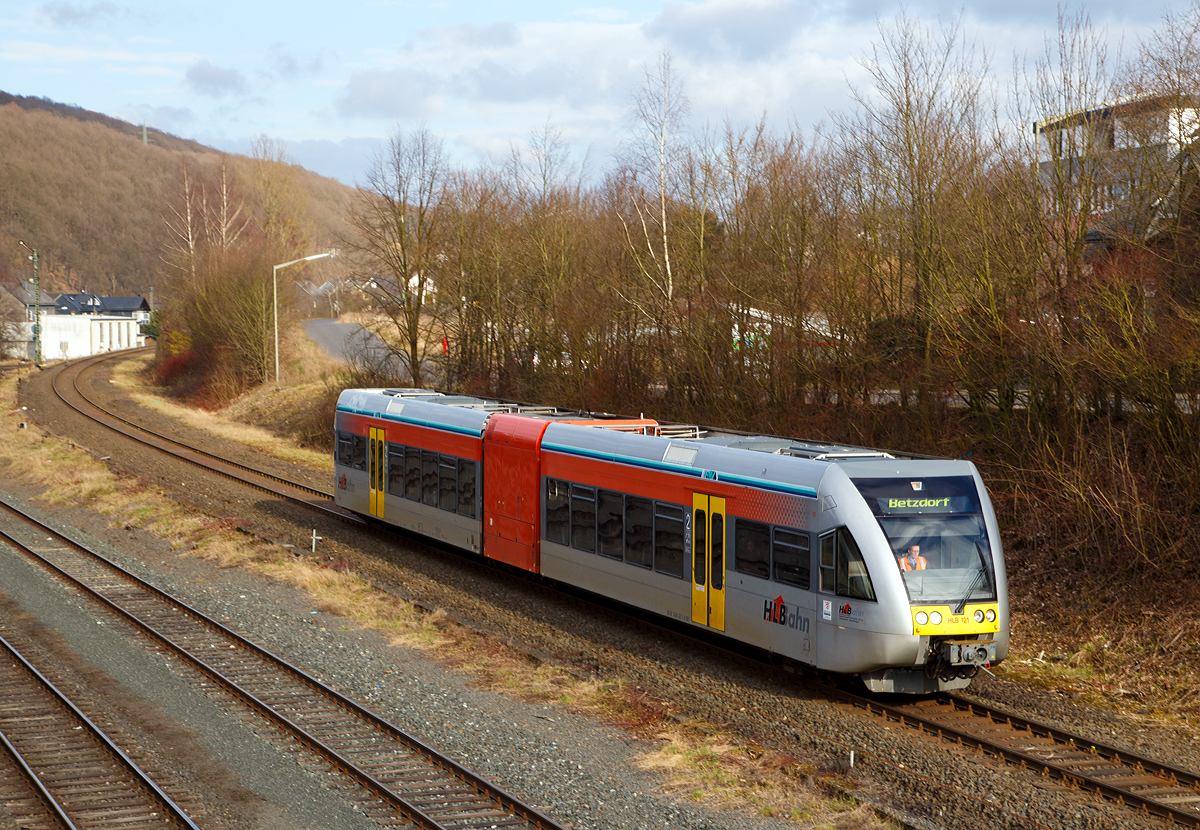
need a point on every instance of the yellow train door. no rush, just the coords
(376, 470)
(708, 561)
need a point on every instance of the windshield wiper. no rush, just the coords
(981, 574)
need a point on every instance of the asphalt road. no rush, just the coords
(354, 345)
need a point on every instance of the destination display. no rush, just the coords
(897, 497)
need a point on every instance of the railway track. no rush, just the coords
(1076, 761)
(66, 386)
(1141, 783)
(69, 774)
(405, 778)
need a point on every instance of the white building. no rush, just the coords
(74, 325)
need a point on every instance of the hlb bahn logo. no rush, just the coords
(777, 611)
(845, 612)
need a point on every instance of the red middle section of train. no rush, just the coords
(511, 489)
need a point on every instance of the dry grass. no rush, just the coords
(128, 374)
(1143, 667)
(726, 772)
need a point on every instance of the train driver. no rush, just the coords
(911, 559)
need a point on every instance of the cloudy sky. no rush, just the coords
(331, 80)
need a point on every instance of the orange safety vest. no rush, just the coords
(905, 566)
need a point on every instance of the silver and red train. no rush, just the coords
(791, 547)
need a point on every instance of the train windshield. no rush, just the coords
(937, 534)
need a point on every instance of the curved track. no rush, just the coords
(405, 776)
(1077, 761)
(75, 776)
(66, 386)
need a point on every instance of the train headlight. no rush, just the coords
(978, 615)
(991, 615)
(936, 618)
(922, 618)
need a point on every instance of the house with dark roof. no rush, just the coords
(135, 307)
(74, 325)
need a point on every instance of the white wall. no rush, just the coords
(67, 336)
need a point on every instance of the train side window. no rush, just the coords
(558, 512)
(448, 483)
(345, 449)
(790, 558)
(466, 488)
(828, 562)
(639, 531)
(852, 578)
(412, 473)
(395, 470)
(429, 478)
(610, 523)
(359, 452)
(583, 517)
(843, 570)
(752, 548)
(668, 539)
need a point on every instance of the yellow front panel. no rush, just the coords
(957, 624)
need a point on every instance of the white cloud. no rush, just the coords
(747, 30)
(205, 78)
(69, 15)
(388, 94)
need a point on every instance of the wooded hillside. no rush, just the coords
(83, 190)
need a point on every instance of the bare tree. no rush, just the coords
(224, 210)
(278, 196)
(659, 110)
(916, 139)
(185, 224)
(398, 240)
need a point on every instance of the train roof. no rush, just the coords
(433, 408)
(698, 458)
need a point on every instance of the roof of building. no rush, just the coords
(95, 304)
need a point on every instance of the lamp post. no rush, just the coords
(37, 308)
(275, 297)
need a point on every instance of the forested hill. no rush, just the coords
(153, 136)
(93, 199)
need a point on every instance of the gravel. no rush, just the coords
(582, 772)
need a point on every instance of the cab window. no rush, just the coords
(842, 569)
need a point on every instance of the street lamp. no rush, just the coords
(37, 308)
(275, 297)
